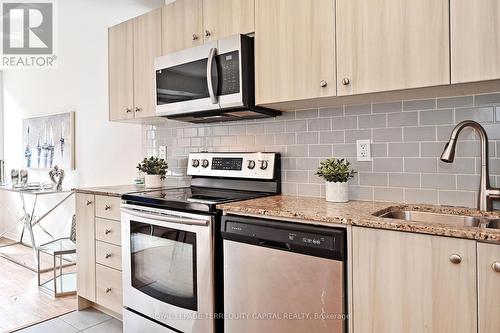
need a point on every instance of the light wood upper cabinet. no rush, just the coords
(85, 246)
(147, 46)
(406, 282)
(132, 47)
(488, 272)
(475, 40)
(121, 71)
(391, 44)
(294, 50)
(223, 18)
(182, 25)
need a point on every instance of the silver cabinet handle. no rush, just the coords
(455, 259)
(323, 83)
(194, 37)
(211, 56)
(107, 231)
(345, 81)
(128, 110)
(138, 109)
(107, 207)
(496, 266)
(88, 202)
(207, 33)
(107, 255)
(107, 290)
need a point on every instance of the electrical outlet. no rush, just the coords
(162, 152)
(363, 151)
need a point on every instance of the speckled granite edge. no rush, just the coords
(359, 213)
(110, 191)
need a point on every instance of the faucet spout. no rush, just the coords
(486, 193)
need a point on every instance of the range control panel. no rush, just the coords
(232, 165)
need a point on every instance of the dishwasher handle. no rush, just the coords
(275, 245)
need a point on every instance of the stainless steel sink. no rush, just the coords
(449, 219)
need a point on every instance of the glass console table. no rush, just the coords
(29, 221)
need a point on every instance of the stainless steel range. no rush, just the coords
(172, 247)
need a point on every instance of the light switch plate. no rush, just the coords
(363, 150)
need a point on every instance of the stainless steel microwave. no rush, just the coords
(211, 82)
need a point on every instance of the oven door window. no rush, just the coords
(182, 83)
(164, 264)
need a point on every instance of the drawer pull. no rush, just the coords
(455, 259)
(107, 255)
(107, 207)
(107, 290)
(496, 266)
(107, 231)
(88, 202)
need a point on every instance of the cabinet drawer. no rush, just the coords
(108, 231)
(107, 207)
(109, 288)
(108, 254)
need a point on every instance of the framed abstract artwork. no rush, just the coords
(49, 141)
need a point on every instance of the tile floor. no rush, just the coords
(88, 320)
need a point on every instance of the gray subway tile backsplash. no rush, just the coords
(407, 140)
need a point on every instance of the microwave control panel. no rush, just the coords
(229, 76)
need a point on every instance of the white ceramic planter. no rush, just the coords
(337, 192)
(153, 181)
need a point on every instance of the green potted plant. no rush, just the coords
(336, 173)
(154, 169)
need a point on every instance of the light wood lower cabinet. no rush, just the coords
(109, 288)
(413, 283)
(85, 246)
(488, 272)
(99, 276)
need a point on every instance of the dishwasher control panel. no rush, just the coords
(285, 236)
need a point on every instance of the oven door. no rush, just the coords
(186, 81)
(168, 267)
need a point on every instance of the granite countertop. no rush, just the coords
(359, 213)
(112, 191)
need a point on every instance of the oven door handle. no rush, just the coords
(211, 92)
(164, 217)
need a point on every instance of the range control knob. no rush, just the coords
(204, 163)
(251, 164)
(263, 165)
(195, 163)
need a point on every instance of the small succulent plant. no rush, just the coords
(335, 170)
(153, 166)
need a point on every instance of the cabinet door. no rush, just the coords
(182, 25)
(121, 71)
(488, 272)
(223, 18)
(406, 282)
(147, 46)
(85, 246)
(475, 40)
(391, 44)
(294, 50)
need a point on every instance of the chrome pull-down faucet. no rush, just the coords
(486, 193)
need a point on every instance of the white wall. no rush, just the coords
(106, 153)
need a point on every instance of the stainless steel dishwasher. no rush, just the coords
(283, 277)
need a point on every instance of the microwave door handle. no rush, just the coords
(211, 57)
